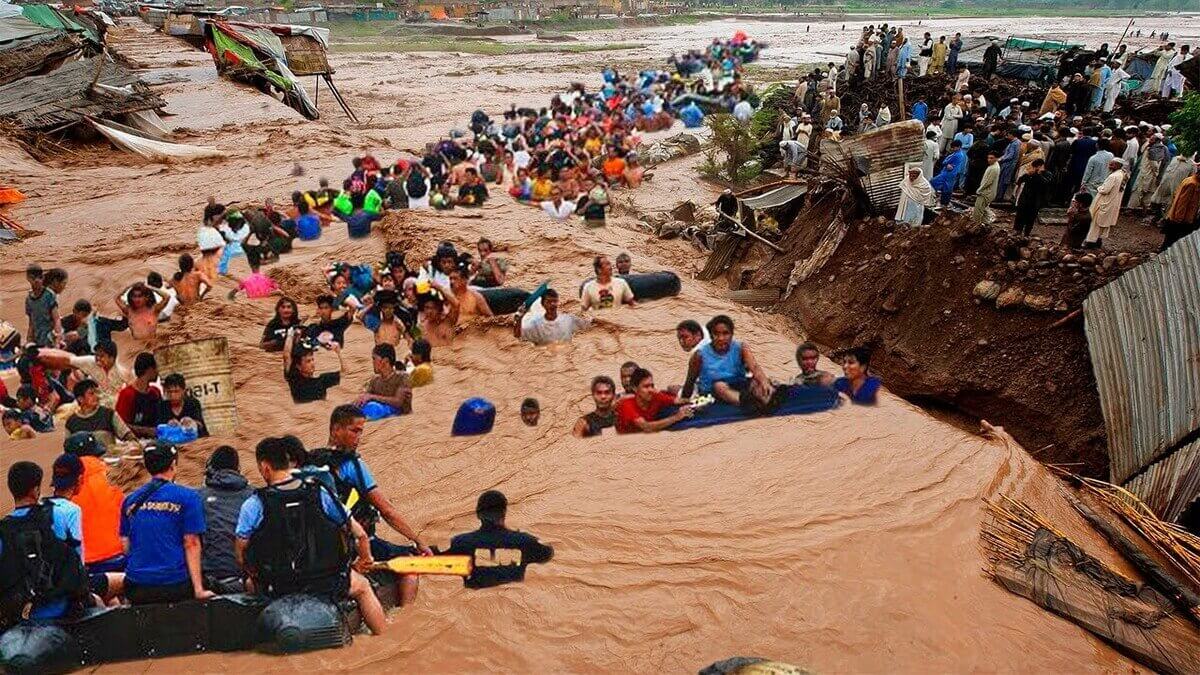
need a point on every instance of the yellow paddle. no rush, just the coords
(454, 565)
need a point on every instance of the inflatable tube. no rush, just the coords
(226, 623)
(38, 649)
(798, 401)
(302, 623)
(504, 299)
(374, 410)
(648, 285)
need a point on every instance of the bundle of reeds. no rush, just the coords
(1010, 530)
(1180, 547)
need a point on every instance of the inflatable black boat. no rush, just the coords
(290, 624)
(645, 286)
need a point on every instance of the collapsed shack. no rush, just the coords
(273, 58)
(96, 87)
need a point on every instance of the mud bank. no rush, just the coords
(907, 293)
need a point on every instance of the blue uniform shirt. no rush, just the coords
(155, 532)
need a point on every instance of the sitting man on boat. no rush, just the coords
(294, 537)
(161, 526)
(39, 534)
(366, 501)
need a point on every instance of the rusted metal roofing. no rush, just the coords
(1143, 333)
(878, 157)
(777, 197)
(1168, 486)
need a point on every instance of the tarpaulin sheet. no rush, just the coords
(260, 50)
(20, 28)
(777, 197)
(1047, 45)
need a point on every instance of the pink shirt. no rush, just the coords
(257, 285)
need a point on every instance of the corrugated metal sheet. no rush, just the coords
(1167, 487)
(1143, 333)
(879, 157)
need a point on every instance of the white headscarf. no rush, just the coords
(919, 190)
(884, 116)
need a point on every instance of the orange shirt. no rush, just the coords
(100, 502)
(614, 167)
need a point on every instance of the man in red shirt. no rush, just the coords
(137, 402)
(640, 412)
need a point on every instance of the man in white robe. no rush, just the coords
(1114, 87)
(1106, 207)
(915, 195)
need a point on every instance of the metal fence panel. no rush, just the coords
(1143, 333)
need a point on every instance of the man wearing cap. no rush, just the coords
(1106, 208)
(1113, 87)
(1153, 157)
(1097, 168)
(63, 557)
(161, 526)
(991, 58)
(66, 480)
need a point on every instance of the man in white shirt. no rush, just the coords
(606, 291)
(550, 326)
(557, 207)
(104, 370)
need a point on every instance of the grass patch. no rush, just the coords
(467, 46)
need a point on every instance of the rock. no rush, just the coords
(1039, 303)
(1068, 259)
(887, 257)
(1010, 297)
(1077, 276)
(1123, 259)
(986, 290)
(889, 306)
(1088, 259)
(1062, 306)
(880, 220)
(1022, 265)
(1025, 253)
(958, 260)
(1042, 253)
(1109, 262)
(982, 342)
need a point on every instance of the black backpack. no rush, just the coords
(297, 544)
(362, 511)
(36, 567)
(415, 185)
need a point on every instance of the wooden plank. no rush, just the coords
(755, 297)
(721, 258)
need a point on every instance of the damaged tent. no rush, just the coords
(96, 87)
(273, 57)
(873, 162)
(28, 48)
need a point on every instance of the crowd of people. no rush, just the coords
(1070, 149)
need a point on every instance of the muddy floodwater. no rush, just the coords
(846, 541)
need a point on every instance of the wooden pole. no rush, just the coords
(1127, 27)
(900, 87)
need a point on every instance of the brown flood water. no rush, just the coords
(844, 541)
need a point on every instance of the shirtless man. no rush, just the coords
(470, 302)
(391, 329)
(142, 310)
(190, 284)
(439, 316)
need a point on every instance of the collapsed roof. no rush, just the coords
(94, 87)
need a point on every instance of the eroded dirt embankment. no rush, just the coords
(1010, 350)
